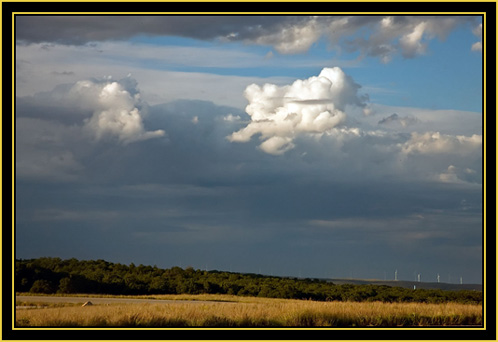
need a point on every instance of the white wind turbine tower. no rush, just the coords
(438, 279)
(396, 275)
(418, 277)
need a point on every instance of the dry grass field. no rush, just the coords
(232, 311)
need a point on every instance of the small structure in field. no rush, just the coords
(87, 304)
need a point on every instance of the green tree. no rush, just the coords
(66, 286)
(42, 286)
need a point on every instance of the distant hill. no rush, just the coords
(409, 284)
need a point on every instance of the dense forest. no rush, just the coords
(54, 275)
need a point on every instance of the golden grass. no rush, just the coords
(253, 312)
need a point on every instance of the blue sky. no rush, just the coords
(402, 82)
(314, 146)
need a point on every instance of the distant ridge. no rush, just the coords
(409, 284)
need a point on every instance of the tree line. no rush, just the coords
(54, 275)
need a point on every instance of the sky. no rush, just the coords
(306, 146)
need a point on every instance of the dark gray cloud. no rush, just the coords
(390, 118)
(407, 35)
(335, 204)
(396, 119)
(54, 105)
(363, 228)
(84, 29)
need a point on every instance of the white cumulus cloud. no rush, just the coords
(116, 110)
(281, 113)
(434, 143)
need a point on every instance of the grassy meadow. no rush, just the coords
(235, 311)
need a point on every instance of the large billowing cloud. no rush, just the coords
(57, 130)
(323, 118)
(104, 109)
(310, 106)
(405, 35)
(116, 112)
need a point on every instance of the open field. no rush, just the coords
(233, 311)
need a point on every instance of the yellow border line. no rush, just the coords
(13, 173)
(484, 112)
(242, 13)
(260, 1)
(1, 168)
